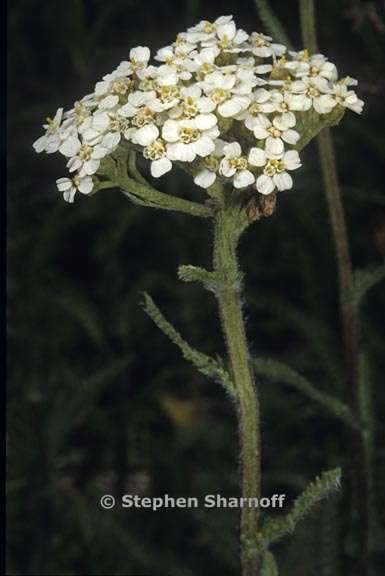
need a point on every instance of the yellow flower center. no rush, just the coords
(117, 123)
(254, 109)
(274, 132)
(142, 117)
(168, 93)
(206, 68)
(85, 152)
(155, 151)
(208, 27)
(220, 95)
(312, 92)
(190, 109)
(239, 163)
(225, 42)
(273, 166)
(81, 113)
(188, 135)
(258, 41)
(121, 87)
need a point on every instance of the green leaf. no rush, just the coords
(190, 273)
(205, 364)
(272, 23)
(277, 528)
(280, 372)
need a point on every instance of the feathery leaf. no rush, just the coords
(272, 23)
(280, 372)
(205, 364)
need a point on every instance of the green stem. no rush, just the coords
(227, 232)
(360, 448)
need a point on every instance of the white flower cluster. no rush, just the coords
(222, 99)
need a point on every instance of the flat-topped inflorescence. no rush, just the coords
(233, 106)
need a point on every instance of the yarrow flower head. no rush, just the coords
(222, 104)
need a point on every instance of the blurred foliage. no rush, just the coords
(99, 400)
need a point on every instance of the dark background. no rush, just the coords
(99, 400)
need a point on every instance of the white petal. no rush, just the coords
(69, 195)
(283, 122)
(100, 122)
(39, 144)
(91, 166)
(70, 146)
(101, 88)
(274, 146)
(240, 37)
(140, 54)
(100, 152)
(283, 181)
(146, 135)
(257, 157)
(63, 184)
(290, 136)
(204, 146)
(243, 178)
(182, 152)
(128, 110)
(263, 68)
(232, 150)
(109, 102)
(205, 121)
(259, 132)
(324, 104)
(86, 185)
(160, 167)
(226, 169)
(265, 185)
(233, 106)
(205, 105)
(205, 178)
(170, 131)
(227, 30)
(111, 140)
(74, 163)
(291, 160)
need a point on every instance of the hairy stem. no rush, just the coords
(360, 448)
(227, 231)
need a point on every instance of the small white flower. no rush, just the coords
(230, 39)
(311, 92)
(192, 103)
(275, 132)
(346, 98)
(230, 97)
(82, 157)
(261, 46)
(208, 174)
(112, 88)
(261, 103)
(235, 165)
(275, 173)
(315, 66)
(190, 138)
(138, 61)
(69, 186)
(155, 150)
(51, 140)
